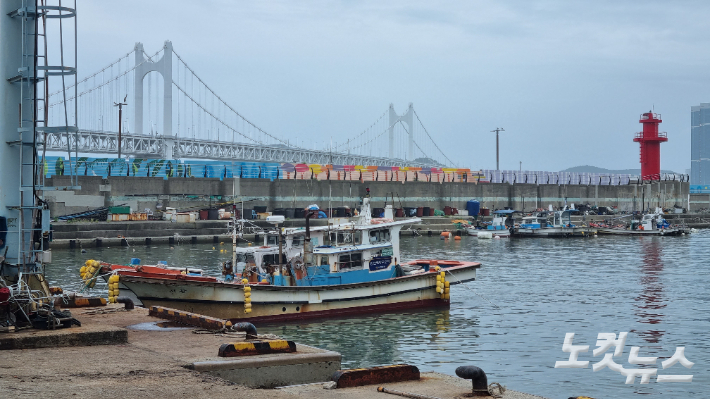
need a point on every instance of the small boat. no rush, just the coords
(552, 224)
(497, 228)
(343, 269)
(651, 224)
(161, 268)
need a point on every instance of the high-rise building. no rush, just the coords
(700, 145)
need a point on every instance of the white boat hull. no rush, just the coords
(488, 233)
(279, 303)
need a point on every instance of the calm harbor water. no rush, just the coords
(656, 289)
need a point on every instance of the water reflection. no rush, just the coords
(656, 288)
(650, 302)
(379, 339)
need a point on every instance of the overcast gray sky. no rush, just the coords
(566, 79)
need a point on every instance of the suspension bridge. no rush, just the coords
(173, 114)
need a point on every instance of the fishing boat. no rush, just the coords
(552, 224)
(498, 227)
(651, 224)
(345, 269)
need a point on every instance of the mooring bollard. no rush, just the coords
(478, 379)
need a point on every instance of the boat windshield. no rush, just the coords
(245, 257)
(272, 240)
(380, 235)
(273, 259)
(337, 238)
(350, 261)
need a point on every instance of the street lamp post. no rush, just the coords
(497, 130)
(120, 116)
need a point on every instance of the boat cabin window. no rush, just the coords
(345, 238)
(339, 238)
(273, 259)
(272, 240)
(324, 261)
(297, 241)
(350, 261)
(357, 239)
(380, 235)
(245, 258)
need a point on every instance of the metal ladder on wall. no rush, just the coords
(33, 78)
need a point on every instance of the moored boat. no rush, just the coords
(343, 269)
(498, 227)
(552, 224)
(651, 224)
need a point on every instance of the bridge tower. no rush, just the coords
(650, 140)
(407, 118)
(164, 67)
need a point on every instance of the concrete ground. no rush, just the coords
(151, 365)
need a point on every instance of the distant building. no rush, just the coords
(700, 147)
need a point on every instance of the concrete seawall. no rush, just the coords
(154, 193)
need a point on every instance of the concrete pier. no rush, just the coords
(150, 192)
(174, 361)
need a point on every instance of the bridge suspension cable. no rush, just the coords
(200, 115)
(432, 139)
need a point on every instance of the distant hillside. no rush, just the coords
(594, 169)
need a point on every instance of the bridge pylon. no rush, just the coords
(408, 118)
(164, 67)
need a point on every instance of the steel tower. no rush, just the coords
(25, 70)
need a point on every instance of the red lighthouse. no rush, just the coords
(650, 140)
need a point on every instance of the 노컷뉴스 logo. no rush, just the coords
(607, 340)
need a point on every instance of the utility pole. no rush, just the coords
(120, 116)
(498, 129)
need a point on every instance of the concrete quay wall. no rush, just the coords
(157, 193)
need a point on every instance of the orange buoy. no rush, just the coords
(445, 234)
(457, 238)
